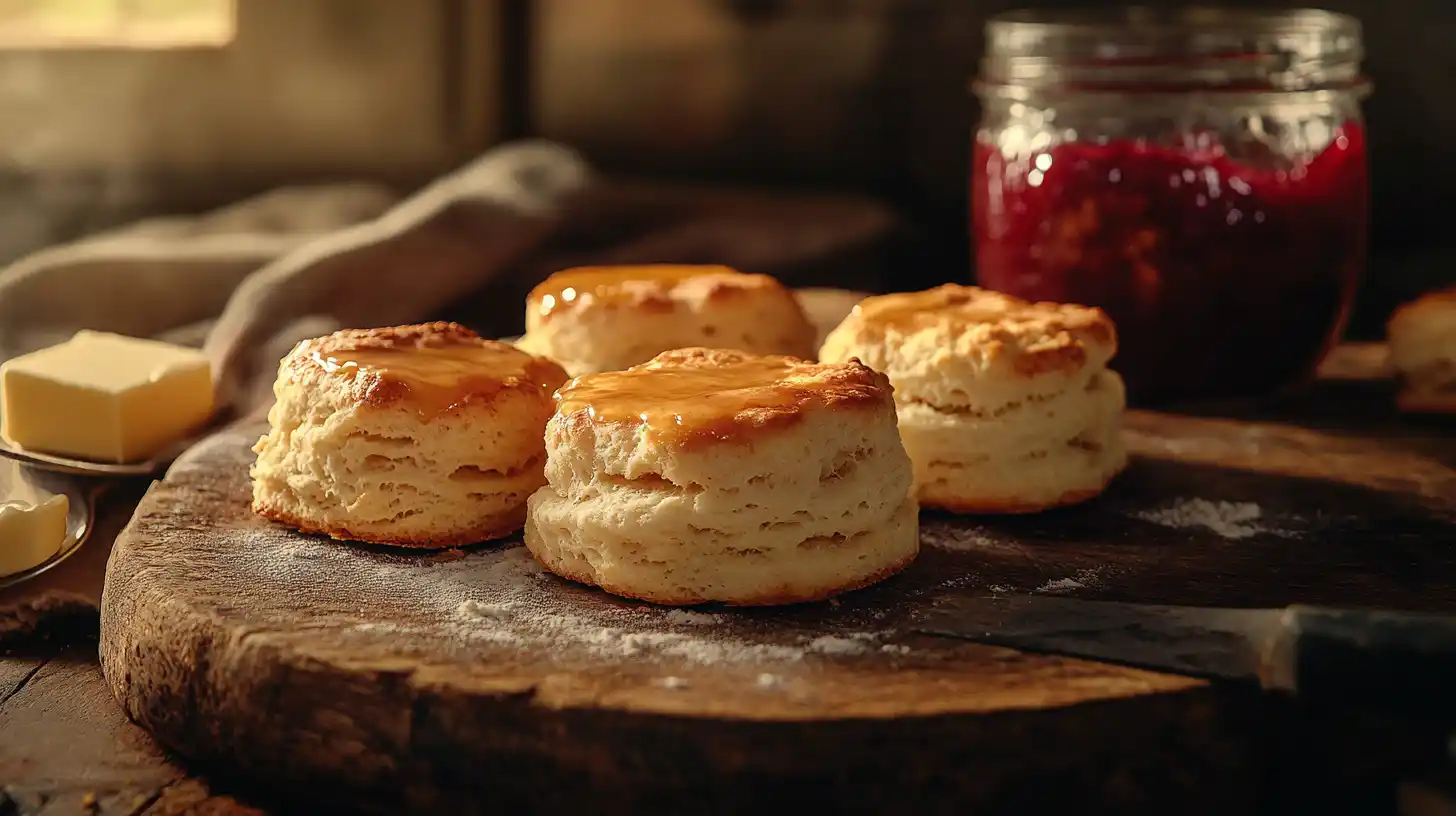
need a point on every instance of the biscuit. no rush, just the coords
(416, 436)
(708, 475)
(595, 319)
(1005, 406)
(1422, 337)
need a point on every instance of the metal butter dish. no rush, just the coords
(80, 517)
(85, 467)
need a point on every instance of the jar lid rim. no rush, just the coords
(1122, 21)
(1286, 49)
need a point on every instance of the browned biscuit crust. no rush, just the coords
(646, 288)
(730, 396)
(512, 369)
(1034, 337)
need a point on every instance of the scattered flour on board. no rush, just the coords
(485, 610)
(1231, 520)
(957, 539)
(625, 633)
(1060, 586)
(858, 643)
(1082, 580)
(690, 618)
(505, 598)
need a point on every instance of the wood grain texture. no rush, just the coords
(68, 747)
(470, 681)
(16, 671)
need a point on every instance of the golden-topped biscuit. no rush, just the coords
(693, 396)
(434, 367)
(1422, 336)
(1031, 338)
(608, 318)
(1004, 405)
(418, 436)
(647, 285)
(708, 475)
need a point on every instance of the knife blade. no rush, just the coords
(1364, 658)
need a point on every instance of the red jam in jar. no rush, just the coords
(1224, 232)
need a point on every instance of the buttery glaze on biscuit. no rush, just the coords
(1005, 406)
(435, 374)
(624, 284)
(1042, 336)
(689, 397)
(597, 319)
(440, 379)
(719, 476)
(969, 305)
(415, 436)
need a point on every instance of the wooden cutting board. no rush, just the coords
(471, 681)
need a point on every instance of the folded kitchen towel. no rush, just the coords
(166, 274)
(247, 282)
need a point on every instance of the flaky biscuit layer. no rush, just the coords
(1004, 405)
(967, 348)
(800, 505)
(637, 319)
(356, 454)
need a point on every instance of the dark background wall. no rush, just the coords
(872, 95)
(841, 94)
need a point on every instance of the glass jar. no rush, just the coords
(1198, 174)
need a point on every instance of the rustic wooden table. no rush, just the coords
(66, 747)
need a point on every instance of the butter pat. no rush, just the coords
(31, 533)
(104, 397)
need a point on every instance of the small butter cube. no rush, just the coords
(31, 533)
(104, 397)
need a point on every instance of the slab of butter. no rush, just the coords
(104, 397)
(31, 533)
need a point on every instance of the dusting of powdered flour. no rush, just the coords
(527, 608)
(1084, 579)
(958, 538)
(859, 643)
(502, 598)
(688, 617)
(1230, 520)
